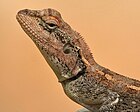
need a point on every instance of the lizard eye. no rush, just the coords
(51, 26)
(50, 22)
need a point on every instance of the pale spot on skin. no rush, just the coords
(100, 72)
(116, 101)
(133, 102)
(108, 76)
(92, 69)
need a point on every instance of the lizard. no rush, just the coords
(84, 81)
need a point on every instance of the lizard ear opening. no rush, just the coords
(67, 48)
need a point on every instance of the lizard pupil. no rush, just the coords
(51, 25)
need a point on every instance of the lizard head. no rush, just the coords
(55, 39)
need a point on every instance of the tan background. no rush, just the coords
(27, 84)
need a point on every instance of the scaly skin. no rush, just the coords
(84, 81)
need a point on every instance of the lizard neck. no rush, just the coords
(112, 80)
(117, 82)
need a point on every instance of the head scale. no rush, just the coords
(55, 40)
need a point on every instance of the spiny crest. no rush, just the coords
(86, 52)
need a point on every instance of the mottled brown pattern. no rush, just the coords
(84, 81)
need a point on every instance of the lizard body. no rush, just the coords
(84, 81)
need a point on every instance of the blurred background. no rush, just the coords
(27, 84)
